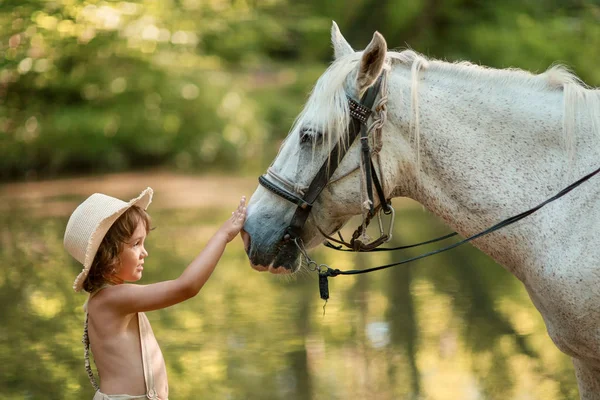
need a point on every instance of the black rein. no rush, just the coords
(326, 272)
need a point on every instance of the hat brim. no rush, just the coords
(142, 201)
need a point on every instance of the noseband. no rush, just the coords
(360, 112)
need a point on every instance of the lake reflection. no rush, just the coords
(453, 326)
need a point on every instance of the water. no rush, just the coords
(453, 326)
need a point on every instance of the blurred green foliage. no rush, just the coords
(95, 86)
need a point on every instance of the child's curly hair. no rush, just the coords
(106, 261)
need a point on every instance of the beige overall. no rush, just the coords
(148, 377)
(144, 326)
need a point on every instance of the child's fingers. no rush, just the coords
(241, 216)
(242, 205)
(240, 213)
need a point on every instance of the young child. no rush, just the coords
(107, 236)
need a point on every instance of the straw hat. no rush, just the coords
(89, 223)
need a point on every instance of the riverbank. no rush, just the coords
(58, 197)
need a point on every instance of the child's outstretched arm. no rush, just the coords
(198, 272)
(130, 298)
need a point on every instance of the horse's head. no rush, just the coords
(322, 124)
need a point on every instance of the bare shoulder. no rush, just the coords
(108, 299)
(106, 319)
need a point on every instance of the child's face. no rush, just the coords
(133, 255)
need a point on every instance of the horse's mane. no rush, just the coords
(557, 76)
(329, 93)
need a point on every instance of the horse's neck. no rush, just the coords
(486, 153)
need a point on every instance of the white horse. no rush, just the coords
(473, 145)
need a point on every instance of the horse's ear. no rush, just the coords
(371, 62)
(340, 46)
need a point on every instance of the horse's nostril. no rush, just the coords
(246, 239)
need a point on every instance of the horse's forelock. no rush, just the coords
(327, 107)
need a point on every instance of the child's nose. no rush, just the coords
(144, 253)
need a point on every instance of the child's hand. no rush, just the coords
(234, 224)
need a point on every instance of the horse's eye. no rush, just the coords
(310, 135)
(304, 137)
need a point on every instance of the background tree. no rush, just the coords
(93, 86)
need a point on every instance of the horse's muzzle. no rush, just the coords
(281, 257)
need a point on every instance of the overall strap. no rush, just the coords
(86, 354)
(86, 340)
(146, 365)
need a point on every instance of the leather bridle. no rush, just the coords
(360, 112)
(304, 200)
